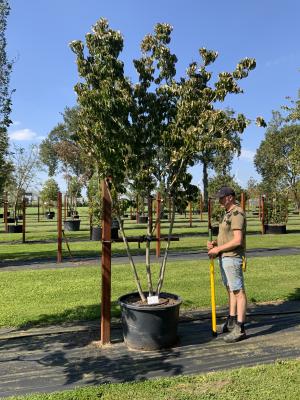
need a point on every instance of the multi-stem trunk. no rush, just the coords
(164, 261)
(132, 264)
(148, 245)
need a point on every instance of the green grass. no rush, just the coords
(30, 297)
(277, 381)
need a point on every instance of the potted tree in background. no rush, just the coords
(149, 133)
(48, 195)
(275, 212)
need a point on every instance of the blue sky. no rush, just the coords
(45, 71)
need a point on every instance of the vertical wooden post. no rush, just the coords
(209, 212)
(137, 209)
(106, 265)
(263, 215)
(158, 204)
(59, 227)
(38, 206)
(5, 211)
(24, 220)
(65, 207)
(91, 226)
(191, 216)
(150, 219)
(243, 201)
(201, 206)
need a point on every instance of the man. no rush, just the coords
(230, 248)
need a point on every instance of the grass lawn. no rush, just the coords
(31, 297)
(277, 381)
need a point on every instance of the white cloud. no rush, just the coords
(247, 154)
(25, 135)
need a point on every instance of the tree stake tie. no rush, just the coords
(212, 292)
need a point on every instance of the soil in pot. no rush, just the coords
(72, 225)
(150, 327)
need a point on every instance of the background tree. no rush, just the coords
(49, 192)
(277, 160)
(26, 166)
(5, 95)
(61, 153)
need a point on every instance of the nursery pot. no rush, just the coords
(275, 229)
(10, 220)
(96, 233)
(215, 230)
(72, 225)
(150, 327)
(50, 214)
(143, 219)
(15, 228)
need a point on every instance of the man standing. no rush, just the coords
(230, 248)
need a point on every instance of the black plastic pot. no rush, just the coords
(143, 219)
(215, 230)
(76, 216)
(150, 327)
(10, 220)
(275, 229)
(72, 225)
(96, 233)
(15, 228)
(1, 216)
(20, 217)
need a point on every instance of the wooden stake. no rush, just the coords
(263, 215)
(106, 265)
(24, 220)
(243, 201)
(59, 227)
(5, 212)
(38, 205)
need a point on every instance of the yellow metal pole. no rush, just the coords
(212, 293)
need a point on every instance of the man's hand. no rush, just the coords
(212, 244)
(213, 252)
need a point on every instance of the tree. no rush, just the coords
(26, 166)
(60, 151)
(277, 160)
(5, 95)
(49, 192)
(150, 133)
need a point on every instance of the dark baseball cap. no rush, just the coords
(225, 191)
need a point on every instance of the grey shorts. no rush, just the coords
(232, 273)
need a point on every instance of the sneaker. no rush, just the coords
(235, 335)
(227, 326)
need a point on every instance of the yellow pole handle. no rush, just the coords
(213, 297)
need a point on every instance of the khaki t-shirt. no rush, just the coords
(235, 219)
